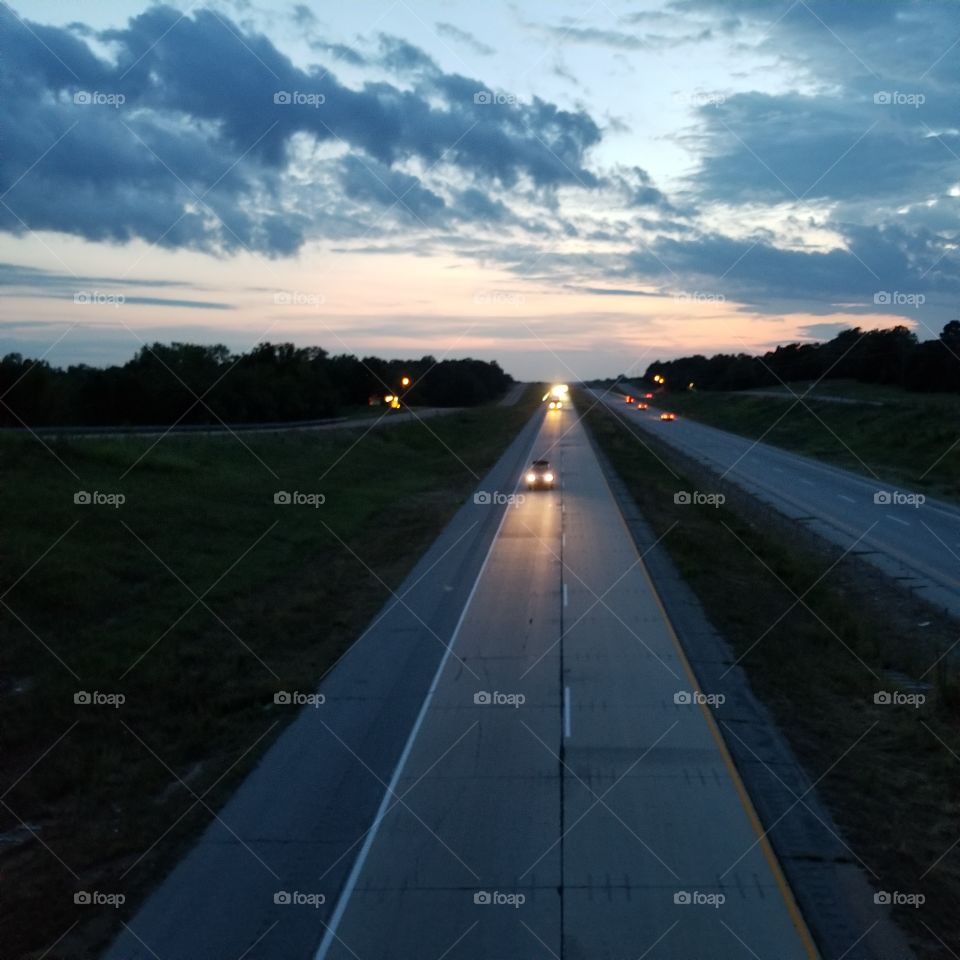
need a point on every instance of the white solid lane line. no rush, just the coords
(566, 713)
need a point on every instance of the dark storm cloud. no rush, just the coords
(184, 136)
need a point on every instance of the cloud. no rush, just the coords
(452, 32)
(194, 134)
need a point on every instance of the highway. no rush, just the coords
(917, 543)
(536, 779)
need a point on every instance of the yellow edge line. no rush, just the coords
(789, 900)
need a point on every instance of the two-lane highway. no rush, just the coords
(915, 539)
(564, 795)
(550, 785)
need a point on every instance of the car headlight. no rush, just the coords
(531, 478)
(548, 477)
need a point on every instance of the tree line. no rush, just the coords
(894, 357)
(194, 384)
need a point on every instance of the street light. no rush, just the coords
(404, 381)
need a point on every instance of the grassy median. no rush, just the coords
(890, 774)
(899, 437)
(195, 599)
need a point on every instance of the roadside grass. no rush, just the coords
(912, 440)
(895, 793)
(196, 599)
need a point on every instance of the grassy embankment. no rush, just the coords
(106, 599)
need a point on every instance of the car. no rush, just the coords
(555, 405)
(668, 416)
(648, 396)
(540, 476)
(643, 406)
(628, 399)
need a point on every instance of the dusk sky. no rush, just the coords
(573, 189)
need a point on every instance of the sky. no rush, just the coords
(573, 189)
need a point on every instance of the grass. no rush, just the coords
(912, 440)
(817, 666)
(196, 599)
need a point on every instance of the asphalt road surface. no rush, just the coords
(918, 543)
(538, 780)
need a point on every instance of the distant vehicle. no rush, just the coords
(668, 416)
(643, 406)
(555, 405)
(540, 476)
(648, 396)
(628, 399)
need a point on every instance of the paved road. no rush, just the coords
(385, 417)
(552, 797)
(919, 544)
